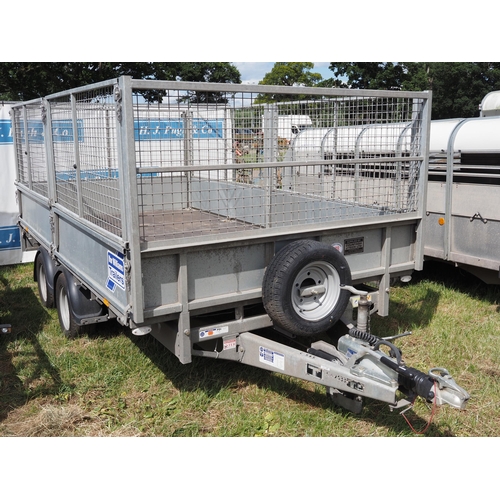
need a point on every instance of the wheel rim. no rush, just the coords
(316, 290)
(42, 283)
(64, 313)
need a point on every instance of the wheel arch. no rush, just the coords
(51, 268)
(83, 307)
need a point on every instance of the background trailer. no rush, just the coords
(10, 235)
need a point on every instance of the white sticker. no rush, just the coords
(214, 332)
(229, 344)
(272, 358)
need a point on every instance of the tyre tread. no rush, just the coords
(276, 287)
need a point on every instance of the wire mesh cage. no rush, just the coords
(30, 148)
(211, 161)
(215, 165)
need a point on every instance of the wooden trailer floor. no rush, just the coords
(157, 226)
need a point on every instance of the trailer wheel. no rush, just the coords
(46, 296)
(301, 288)
(66, 317)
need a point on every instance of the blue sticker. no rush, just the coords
(110, 285)
(10, 238)
(62, 131)
(153, 130)
(116, 271)
(5, 132)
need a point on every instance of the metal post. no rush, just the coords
(76, 150)
(187, 123)
(270, 127)
(127, 174)
(183, 340)
(26, 143)
(449, 189)
(425, 126)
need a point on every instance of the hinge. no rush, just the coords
(118, 99)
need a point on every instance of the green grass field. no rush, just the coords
(110, 383)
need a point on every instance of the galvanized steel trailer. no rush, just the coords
(177, 209)
(463, 217)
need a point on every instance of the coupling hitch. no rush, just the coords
(362, 355)
(448, 391)
(431, 386)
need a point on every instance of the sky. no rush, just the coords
(253, 72)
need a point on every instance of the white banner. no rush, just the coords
(10, 236)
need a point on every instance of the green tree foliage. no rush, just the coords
(211, 72)
(368, 75)
(457, 88)
(25, 81)
(288, 74)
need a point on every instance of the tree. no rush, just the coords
(288, 74)
(213, 72)
(368, 75)
(457, 88)
(25, 81)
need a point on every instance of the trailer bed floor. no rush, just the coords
(159, 225)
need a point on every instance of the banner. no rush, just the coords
(10, 235)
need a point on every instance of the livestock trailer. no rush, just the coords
(463, 213)
(144, 210)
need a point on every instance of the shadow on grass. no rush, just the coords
(213, 376)
(20, 351)
(459, 279)
(421, 310)
(405, 316)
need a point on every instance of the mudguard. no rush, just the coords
(85, 310)
(51, 269)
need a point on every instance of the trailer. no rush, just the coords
(142, 211)
(462, 218)
(290, 125)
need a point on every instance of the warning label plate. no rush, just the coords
(354, 245)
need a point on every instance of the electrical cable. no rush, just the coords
(433, 413)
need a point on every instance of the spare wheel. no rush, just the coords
(301, 289)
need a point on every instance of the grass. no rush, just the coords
(110, 383)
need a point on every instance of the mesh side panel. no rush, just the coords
(209, 164)
(21, 149)
(85, 157)
(32, 169)
(63, 151)
(213, 165)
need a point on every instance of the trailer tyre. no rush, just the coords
(301, 288)
(66, 317)
(44, 292)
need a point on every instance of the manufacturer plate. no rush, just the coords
(354, 245)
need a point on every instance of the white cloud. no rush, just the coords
(253, 72)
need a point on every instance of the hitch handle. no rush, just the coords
(412, 379)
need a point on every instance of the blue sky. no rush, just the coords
(253, 72)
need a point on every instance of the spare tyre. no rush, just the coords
(301, 289)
